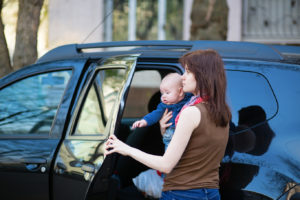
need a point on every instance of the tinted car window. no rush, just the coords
(252, 103)
(99, 103)
(251, 98)
(29, 106)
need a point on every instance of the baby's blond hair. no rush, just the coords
(173, 77)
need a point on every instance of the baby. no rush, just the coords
(173, 99)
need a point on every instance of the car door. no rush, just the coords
(95, 115)
(32, 101)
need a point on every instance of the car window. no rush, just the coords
(145, 84)
(100, 100)
(29, 106)
(251, 98)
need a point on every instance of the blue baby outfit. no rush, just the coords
(156, 115)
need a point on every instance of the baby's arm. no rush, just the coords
(155, 115)
(139, 123)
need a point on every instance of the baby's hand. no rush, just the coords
(140, 123)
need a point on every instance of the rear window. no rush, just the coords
(252, 103)
(250, 97)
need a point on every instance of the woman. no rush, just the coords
(193, 156)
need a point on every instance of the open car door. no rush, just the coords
(81, 170)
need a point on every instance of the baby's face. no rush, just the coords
(171, 93)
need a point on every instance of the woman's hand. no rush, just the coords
(114, 145)
(163, 121)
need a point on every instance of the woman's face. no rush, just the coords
(189, 82)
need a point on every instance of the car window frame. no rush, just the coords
(82, 101)
(94, 68)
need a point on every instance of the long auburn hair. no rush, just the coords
(208, 69)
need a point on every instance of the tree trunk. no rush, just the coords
(26, 35)
(5, 66)
(209, 20)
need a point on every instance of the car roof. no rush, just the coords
(170, 49)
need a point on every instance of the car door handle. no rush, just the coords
(35, 164)
(88, 168)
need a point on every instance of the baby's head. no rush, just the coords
(171, 89)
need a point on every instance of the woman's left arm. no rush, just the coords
(186, 125)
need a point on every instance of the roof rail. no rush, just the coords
(168, 43)
(247, 50)
(227, 49)
(77, 50)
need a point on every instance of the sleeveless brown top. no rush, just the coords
(199, 165)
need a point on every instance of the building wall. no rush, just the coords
(72, 21)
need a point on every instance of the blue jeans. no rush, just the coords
(168, 136)
(194, 194)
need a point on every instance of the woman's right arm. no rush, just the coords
(167, 162)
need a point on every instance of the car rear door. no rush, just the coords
(33, 107)
(95, 115)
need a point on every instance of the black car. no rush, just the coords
(56, 114)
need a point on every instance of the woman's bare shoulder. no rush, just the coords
(191, 110)
(191, 114)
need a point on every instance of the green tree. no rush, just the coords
(25, 52)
